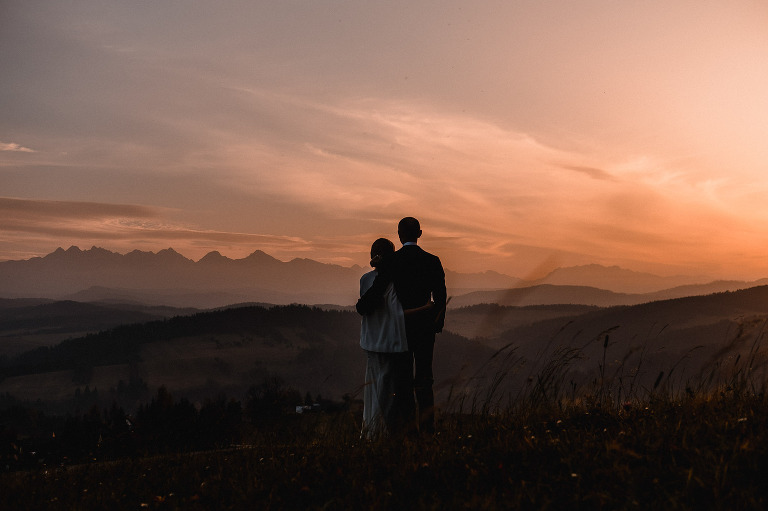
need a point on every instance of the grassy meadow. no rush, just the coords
(554, 446)
(692, 454)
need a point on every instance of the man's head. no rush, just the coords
(409, 230)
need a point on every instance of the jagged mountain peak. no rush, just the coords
(60, 252)
(166, 254)
(74, 253)
(260, 256)
(213, 257)
(169, 253)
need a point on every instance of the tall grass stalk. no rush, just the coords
(558, 378)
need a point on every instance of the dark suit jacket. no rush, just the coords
(418, 277)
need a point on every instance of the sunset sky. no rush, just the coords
(525, 135)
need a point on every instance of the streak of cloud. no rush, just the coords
(13, 147)
(592, 172)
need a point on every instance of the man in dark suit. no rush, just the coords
(419, 282)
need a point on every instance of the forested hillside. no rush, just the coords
(208, 353)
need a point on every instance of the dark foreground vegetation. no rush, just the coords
(693, 452)
(566, 439)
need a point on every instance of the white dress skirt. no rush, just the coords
(388, 393)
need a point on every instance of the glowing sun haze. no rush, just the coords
(524, 135)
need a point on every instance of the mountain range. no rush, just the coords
(168, 278)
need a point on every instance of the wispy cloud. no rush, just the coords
(592, 172)
(14, 147)
(36, 209)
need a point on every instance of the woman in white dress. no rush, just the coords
(388, 392)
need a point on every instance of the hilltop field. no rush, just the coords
(655, 405)
(705, 451)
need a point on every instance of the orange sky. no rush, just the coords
(524, 135)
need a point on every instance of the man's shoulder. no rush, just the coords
(413, 251)
(414, 254)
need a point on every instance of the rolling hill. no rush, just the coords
(684, 341)
(208, 353)
(678, 342)
(26, 324)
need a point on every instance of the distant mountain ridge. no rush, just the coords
(549, 294)
(168, 278)
(212, 281)
(614, 278)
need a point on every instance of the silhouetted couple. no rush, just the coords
(402, 302)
